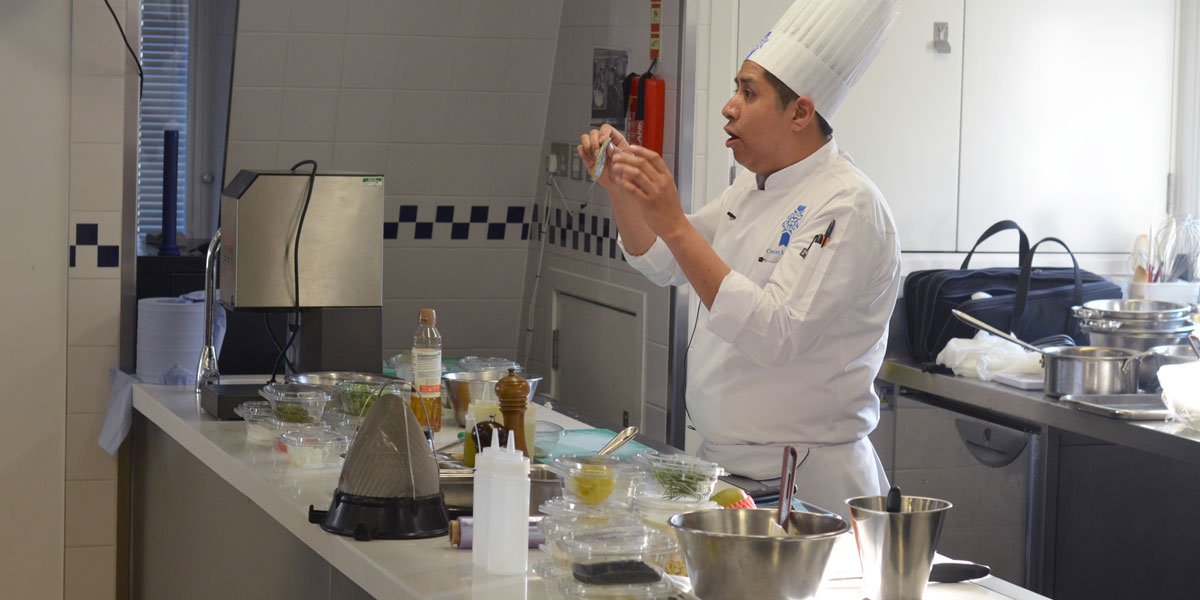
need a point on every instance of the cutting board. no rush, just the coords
(588, 441)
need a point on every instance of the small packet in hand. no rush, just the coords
(601, 158)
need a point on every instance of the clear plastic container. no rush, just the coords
(315, 448)
(560, 506)
(356, 396)
(546, 435)
(680, 476)
(296, 402)
(487, 363)
(618, 555)
(561, 584)
(655, 512)
(598, 479)
(252, 412)
(558, 527)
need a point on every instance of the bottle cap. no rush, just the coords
(510, 461)
(428, 317)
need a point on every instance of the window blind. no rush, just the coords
(163, 106)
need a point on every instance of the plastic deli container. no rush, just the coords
(680, 476)
(655, 512)
(296, 402)
(618, 555)
(598, 479)
(315, 448)
(254, 412)
(341, 422)
(554, 529)
(561, 585)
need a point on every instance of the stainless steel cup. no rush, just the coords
(896, 549)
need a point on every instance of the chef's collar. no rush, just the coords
(795, 173)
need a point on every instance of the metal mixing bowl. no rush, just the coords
(1175, 354)
(466, 387)
(730, 554)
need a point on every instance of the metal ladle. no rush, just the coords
(972, 321)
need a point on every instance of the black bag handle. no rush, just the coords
(1023, 248)
(1022, 293)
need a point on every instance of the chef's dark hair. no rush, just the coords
(786, 95)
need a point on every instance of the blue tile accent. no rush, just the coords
(460, 231)
(516, 214)
(408, 213)
(87, 234)
(479, 214)
(496, 231)
(445, 214)
(424, 231)
(108, 256)
(72, 256)
(391, 231)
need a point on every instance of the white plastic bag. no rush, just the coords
(985, 355)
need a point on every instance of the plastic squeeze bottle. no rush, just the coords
(427, 371)
(508, 515)
(481, 500)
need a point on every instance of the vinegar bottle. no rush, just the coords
(427, 371)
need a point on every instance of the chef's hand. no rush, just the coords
(591, 141)
(643, 175)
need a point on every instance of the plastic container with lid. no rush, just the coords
(618, 555)
(561, 584)
(680, 476)
(296, 402)
(554, 529)
(655, 512)
(253, 412)
(598, 479)
(341, 422)
(487, 363)
(315, 448)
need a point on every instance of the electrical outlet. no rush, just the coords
(576, 166)
(562, 156)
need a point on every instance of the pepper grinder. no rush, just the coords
(513, 392)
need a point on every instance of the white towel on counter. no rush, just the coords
(985, 355)
(170, 338)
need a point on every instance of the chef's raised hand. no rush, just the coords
(591, 141)
(644, 177)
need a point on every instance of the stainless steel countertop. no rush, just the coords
(1033, 408)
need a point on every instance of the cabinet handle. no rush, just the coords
(990, 445)
(941, 37)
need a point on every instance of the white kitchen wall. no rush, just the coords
(584, 244)
(61, 158)
(448, 100)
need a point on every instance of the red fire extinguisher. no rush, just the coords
(647, 102)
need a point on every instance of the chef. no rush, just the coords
(796, 265)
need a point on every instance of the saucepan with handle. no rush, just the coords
(1091, 370)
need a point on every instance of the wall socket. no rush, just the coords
(561, 154)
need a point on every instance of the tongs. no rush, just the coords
(787, 486)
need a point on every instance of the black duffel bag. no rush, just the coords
(1030, 302)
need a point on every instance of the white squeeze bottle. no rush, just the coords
(481, 501)
(427, 371)
(508, 515)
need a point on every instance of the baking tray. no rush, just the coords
(1131, 407)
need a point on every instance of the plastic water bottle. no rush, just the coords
(508, 515)
(481, 500)
(427, 371)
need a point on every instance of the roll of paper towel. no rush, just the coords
(170, 337)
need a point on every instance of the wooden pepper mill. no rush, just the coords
(513, 392)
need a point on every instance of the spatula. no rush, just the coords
(787, 487)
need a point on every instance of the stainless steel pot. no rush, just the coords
(1134, 339)
(1134, 308)
(1090, 370)
(1175, 354)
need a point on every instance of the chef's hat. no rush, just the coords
(820, 48)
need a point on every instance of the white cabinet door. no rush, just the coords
(901, 124)
(1066, 119)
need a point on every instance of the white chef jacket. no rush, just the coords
(796, 334)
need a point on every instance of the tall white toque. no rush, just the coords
(820, 48)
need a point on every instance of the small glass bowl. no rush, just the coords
(315, 448)
(296, 402)
(680, 476)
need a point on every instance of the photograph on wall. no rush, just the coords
(608, 96)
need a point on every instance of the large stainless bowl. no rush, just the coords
(730, 555)
(1175, 354)
(466, 387)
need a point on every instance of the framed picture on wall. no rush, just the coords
(609, 66)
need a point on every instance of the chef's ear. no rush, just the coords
(804, 113)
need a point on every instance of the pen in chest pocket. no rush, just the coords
(820, 239)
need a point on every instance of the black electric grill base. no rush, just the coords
(364, 518)
(219, 399)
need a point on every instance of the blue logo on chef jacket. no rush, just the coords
(789, 226)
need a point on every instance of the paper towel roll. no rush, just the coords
(170, 336)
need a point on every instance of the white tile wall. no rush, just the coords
(314, 60)
(364, 116)
(96, 176)
(87, 387)
(90, 505)
(257, 114)
(92, 312)
(89, 572)
(264, 15)
(96, 108)
(84, 458)
(260, 59)
(371, 61)
(308, 115)
(320, 16)
(95, 50)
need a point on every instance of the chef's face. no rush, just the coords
(760, 125)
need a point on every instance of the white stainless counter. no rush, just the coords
(409, 569)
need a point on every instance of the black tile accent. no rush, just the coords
(587, 245)
(72, 256)
(606, 224)
(445, 214)
(612, 249)
(108, 256)
(408, 213)
(460, 231)
(496, 231)
(87, 234)
(595, 226)
(525, 231)
(574, 240)
(562, 237)
(558, 217)
(537, 213)
(516, 214)
(391, 231)
(424, 231)
(479, 214)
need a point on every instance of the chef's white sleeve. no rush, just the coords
(657, 263)
(788, 314)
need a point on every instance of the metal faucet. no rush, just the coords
(206, 370)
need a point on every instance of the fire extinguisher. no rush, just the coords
(647, 101)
